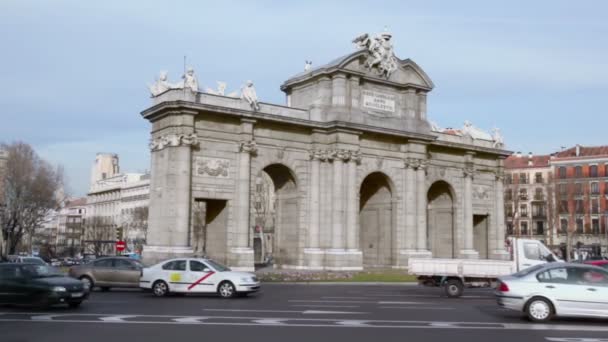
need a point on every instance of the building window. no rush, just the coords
(523, 179)
(595, 206)
(509, 228)
(564, 226)
(563, 189)
(578, 171)
(540, 228)
(508, 178)
(538, 210)
(562, 172)
(580, 225)
(523, 210)
(523, 228)
(595, 226)
(578, 189)
(509, 210)
(523, 194)
(538, 195)
(595, 188)
(563, 207)
(593, 171)
(579, 207)
(509, 195)
(538, 177)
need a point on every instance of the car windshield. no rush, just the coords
(41, 271)
(216, 266)
(527, 271)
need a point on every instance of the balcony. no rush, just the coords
(539, 216)
(538, 197)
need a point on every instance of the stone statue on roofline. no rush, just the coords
(161, 85)
(469, 130)
(190, 81)
(497, 138)
(248, 94)
(380, 49)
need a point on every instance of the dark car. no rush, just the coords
(109, 272)
(40, 285)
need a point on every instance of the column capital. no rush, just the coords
(499, 174)
(250, 147)
(319, 155)
(173, 140)
(416, 164)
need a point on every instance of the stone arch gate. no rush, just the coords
(348, 163)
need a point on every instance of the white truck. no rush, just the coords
(456, 274)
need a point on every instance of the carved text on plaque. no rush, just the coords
(378, 101)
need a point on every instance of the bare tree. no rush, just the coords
(99, 235)
(136, 224)
(30, 188)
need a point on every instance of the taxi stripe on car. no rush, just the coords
(200, 280)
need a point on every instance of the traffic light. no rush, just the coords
(119, 234)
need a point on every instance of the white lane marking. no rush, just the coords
(245, 310)
(116, 319)
(330, 301)
(324, 306)
(319, 312)
(331, 324)
(422, 296)
(44, 317)
(406, 303)
(442, 325)
(576, 339)
(415, 308)
(189, 319)
(328, 297)
(306, 312)
(273, 321)
(352, 323)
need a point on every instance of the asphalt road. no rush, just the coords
(291, 313)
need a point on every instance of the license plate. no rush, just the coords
(77, 295)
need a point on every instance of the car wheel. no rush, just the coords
(74, 305)
(226, 290)
(539, 310)
(160, 288)
(86, 281)
(454, 288)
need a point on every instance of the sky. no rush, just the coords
(74, 74)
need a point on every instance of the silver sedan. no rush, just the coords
(556, 289)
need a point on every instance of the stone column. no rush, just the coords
(338, 96)
(355, 92)
(337, 223)
(410, 205)
(170, 192)
(315, 193)
(243, 190)
(421, 203)
(499, 211)
(352, 228)
(468, 248)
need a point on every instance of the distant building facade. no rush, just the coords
(560, 197)
(116, 203)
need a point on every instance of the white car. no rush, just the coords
(194, 275)
(556, 289)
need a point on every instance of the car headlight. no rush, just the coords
(59, 289)
(246, 279)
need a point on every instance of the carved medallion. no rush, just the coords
(212, 167)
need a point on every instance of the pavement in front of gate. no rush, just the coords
(291, 312)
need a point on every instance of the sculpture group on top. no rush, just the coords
(380, 50)
(162, 84)
(190, 82)
(468, 129)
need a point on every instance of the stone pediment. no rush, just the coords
(407, 74)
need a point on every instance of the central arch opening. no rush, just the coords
(376, 220)
(275, 211)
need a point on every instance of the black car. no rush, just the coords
(39, 285)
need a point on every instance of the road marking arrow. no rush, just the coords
(43, 317)
(116, 319)
(269, 321)
(189, 319)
